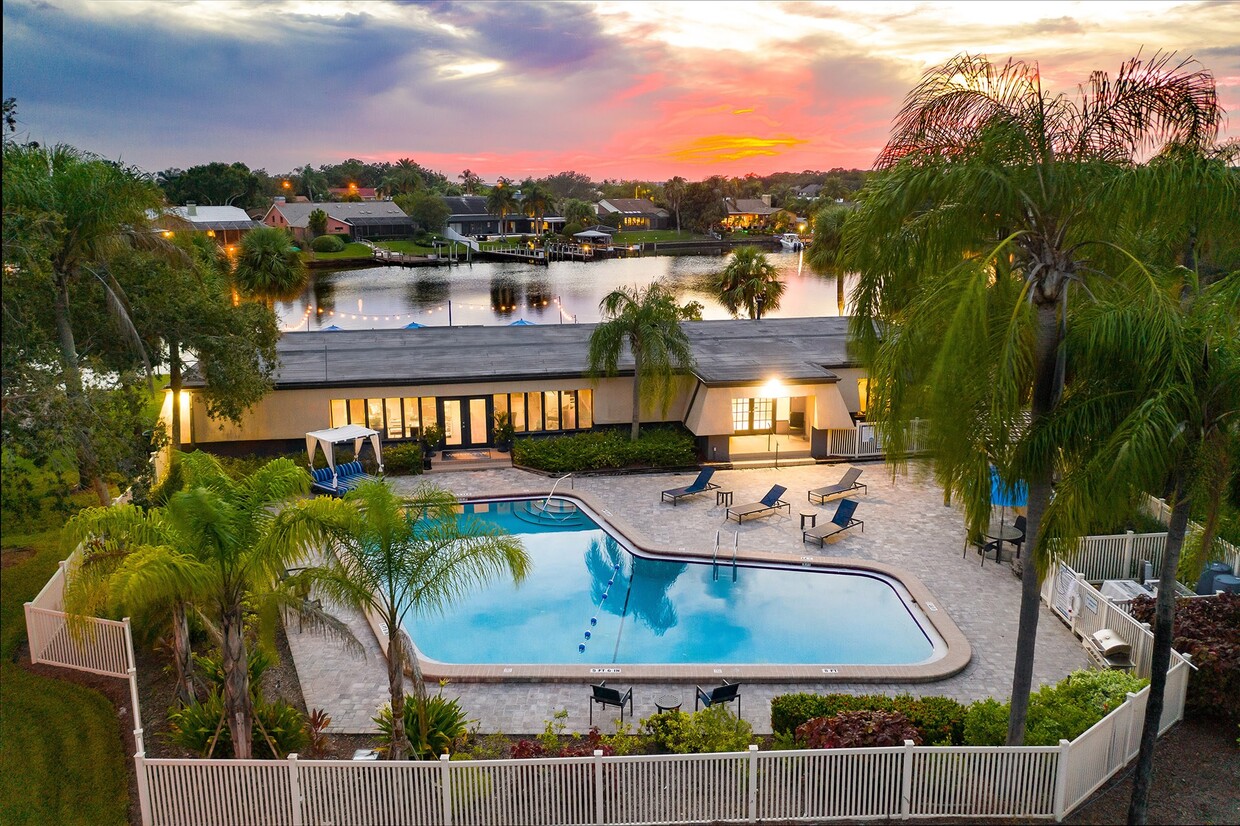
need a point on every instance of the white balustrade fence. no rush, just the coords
(1224, 551)
(813, 785)
(865, 441)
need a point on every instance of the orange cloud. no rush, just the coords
(707, 149)
(741, 111)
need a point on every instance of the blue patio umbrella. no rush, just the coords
(413, 325)
(521, 322)
(332, 329)
(1006, 497)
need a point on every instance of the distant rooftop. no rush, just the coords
(209, 217)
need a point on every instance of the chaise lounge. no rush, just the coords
(347, 477)
(846, 485)
(771, 503)
(842, 521)
(700, 485)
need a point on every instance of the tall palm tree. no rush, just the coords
(674, 194)
(268, 267)
(404, 177)
(648, 321)
(1156, 396)
(500, 201)
(535, 201)
(313, 182)
(987, 167)
(470, 182)
(76, 209)
(140, 562)
(394, 558)
(749, 282)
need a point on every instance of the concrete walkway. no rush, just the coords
(906, 525)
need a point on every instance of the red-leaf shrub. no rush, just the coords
(1208, 630)
(858, 729)
(527, 749)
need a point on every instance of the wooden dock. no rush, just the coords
(400, 259)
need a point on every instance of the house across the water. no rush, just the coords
(755, 384)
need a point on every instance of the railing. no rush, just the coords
(1117, 556)
(865, 441)
(843, 784)
(1224, 551)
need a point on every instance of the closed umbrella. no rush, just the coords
(521, 322)
(332, 329)
(413, 325)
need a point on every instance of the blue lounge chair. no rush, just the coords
(347, 477)
(700, 485)
(771, 503)
(846, 485)
(842, 521)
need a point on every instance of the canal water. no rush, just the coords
(494, 293)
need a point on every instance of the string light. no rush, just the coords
(502, 308)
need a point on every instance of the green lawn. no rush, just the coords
(64, 759)
(355, 249)
(657, 235)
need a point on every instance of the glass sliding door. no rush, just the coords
(478, 422)
(452, 422)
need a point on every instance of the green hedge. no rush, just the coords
(657, 447)
(939, 719)
(402, 459)
(327, 243)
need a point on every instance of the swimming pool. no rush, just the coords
(593, 599)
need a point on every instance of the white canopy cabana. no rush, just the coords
(592, 235)
(354, 433)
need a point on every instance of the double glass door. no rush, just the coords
(466, 421)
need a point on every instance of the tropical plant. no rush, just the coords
(268, 268)
(648, 321)
(501, 200)
(824, 249)
(139, 562)
(535, 201)
(199, 727)
(470, 182)
(858, 730)
(405, 177)
(749, 282)
(316, 222)
(395, 558)
(711, 730)
(990, 196)
(446, 725)
(1155, 395)
(673, 194)
(65, 213)
(579, 212)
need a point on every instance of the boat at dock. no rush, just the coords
(792, 242)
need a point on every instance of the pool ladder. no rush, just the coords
(547, 501)
(714, 560)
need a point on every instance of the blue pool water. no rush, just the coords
(657, 611)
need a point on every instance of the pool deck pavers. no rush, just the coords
(906, 526)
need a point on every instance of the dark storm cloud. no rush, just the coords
(529, 37)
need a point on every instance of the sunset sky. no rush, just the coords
(612, 90)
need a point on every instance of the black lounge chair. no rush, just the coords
(700, 485)
(842, 521)
(725, 693)
(771, 503)
(605, 696)
(846, 485)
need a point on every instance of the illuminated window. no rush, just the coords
(551, 407)
(413, 421)
(585, 409)
(340, 413)
(392, 408)
(516, 409)
(374, 414)
(863, 395)
(535, 419)
(568, 401)
(357, 411)
(429, 416)
(753, 415)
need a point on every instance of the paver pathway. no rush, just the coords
(906, 525)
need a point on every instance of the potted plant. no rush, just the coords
(504, 432)
(432, 436)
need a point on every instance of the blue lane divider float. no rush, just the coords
(581, 646)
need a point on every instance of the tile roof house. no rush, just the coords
(747, 212)
(633, 213)
(358, 220)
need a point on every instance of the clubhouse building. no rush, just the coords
(779, 384)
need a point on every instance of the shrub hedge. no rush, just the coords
(940, 720)
(656, 447)
(1209, 631)
(858, 730)
(713, 729)
(327, 243)
(402, 459)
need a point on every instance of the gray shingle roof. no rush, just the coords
(366, 212)
(727, 352)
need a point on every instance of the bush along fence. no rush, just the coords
(907, 781)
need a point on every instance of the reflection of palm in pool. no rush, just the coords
(646, 585)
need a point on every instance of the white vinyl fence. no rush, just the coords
(865, 441)
(744, 787)
(1224, 551)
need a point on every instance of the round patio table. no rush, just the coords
(668, 702)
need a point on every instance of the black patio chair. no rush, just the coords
(605, 696)
(726, 693)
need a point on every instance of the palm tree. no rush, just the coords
(824, 249)
(535, 201)
(268, 267)
(987, 167)
(139, 562)
(501, 201)
(405, 177)
(313, 182)
(394, 558)
(470, 182)
(674, 193)
(648, 320)
(580, 212)
(78, 209)
(749, 282)
(1156, 395)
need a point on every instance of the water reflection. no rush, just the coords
(484, 293)
(634, 586)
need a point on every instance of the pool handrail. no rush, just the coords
(547, 499)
